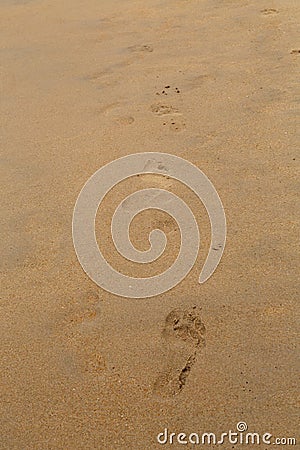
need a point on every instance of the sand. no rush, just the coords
(83, 83)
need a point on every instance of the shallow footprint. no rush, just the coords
(125, 120)
(183, 334)
(141, 48)
(164, 110)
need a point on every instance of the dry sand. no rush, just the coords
(82, 84)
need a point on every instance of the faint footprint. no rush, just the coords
(184, 334)
(79, 351)
(105, 108)
(163, 110)
(126, 120)
(96, 75)
(81, 354)
(141, 48)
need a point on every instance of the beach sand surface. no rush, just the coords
(86, 82)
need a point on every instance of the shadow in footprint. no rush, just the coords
(184, 335)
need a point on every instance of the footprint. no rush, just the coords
(184, 335)
(141, 48)
(295, 51)
(163, 110)
(79, 351)
(126, 120)
(175, 122)
(269, 11)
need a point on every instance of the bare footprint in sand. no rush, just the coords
(164, 110)
(184, 335)
(80, 349)
(124, 120)
(141, 48)
(269, 11)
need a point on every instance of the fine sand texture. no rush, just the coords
(84, 82)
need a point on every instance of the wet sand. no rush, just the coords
(84, 82)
